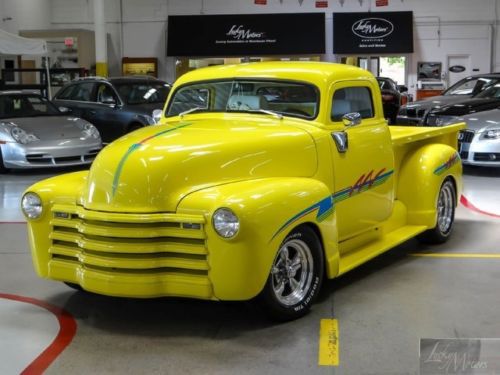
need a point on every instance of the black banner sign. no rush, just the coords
(368, 33)
(246, 34)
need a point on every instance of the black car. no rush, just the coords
(393, 96)
(415, 113)
(115, 106)
(484, 101)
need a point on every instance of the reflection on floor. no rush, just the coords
(383, 308)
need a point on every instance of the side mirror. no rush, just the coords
(402, 88)
(109, 101)
(157, 113)
(64, 110)
(351, 119)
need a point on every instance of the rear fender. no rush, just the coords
(421, 176)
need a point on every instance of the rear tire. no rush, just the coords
(296, 276)
(446, 203)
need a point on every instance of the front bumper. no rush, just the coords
(479, 152)
(47, 154)
(127, 255)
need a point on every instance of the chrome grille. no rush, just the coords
(129, 243)
(466, 136)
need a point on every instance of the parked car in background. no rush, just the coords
(35, 134)
(479, 144)
(414, 113)
(115, 106)
(393, 96)
(484, 101)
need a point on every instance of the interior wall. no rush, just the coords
(137, 28)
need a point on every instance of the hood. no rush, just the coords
(482, 121)
(152, 169)
(48, 128)
(436, 101)
(468, 106)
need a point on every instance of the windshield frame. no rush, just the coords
(248, 79)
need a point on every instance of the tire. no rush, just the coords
(446, 203)
(74, 286)
(296, 276)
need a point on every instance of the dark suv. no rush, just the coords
(115, 106)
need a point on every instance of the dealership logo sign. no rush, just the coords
(372, 28)
(239, 32)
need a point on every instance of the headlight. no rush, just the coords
(31, 205)
(440, 120)
(225, 223)
(492, 134)
(90, 131)
(20, 136)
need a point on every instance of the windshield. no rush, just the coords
(490, 92)
(470, 86)
(283, 97)
(22, 105)
(143, 92)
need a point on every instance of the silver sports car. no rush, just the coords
(479, 144)
(35, 134)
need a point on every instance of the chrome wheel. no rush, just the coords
(292, 272)
(446, 207)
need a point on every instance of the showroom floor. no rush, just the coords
(383, 309)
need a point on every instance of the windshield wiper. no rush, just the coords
(266, 111)
(194, 109)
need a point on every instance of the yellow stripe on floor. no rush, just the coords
(457, 255)
(329, 342)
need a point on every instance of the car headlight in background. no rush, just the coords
(20, 136)
(444, 120)
(90, 131)
(492, 134)
(31, 204)
(226, 223)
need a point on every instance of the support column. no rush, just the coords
(100, 39)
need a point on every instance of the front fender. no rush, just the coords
(268, 210)
(421, 176)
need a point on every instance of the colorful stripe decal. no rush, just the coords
(133, 148)
(324, 207)
(363, 184)
(454, 159)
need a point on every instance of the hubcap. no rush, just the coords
(292, 272)
(445, 208)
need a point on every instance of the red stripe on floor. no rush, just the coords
(67, 330)
(465, 202)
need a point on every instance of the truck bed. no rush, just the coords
(408, 134)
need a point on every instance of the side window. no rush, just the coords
(82, 92)
(65, 93)
(105, 94)
(352, 99)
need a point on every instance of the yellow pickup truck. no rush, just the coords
(260, 181)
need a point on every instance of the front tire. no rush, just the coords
(296, 276)
(446, 203)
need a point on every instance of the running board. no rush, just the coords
(369, 251)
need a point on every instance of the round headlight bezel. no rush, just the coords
(226, 223)
(32, 206)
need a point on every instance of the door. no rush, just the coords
(456, 63)
(28, 78)
(363, 174)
